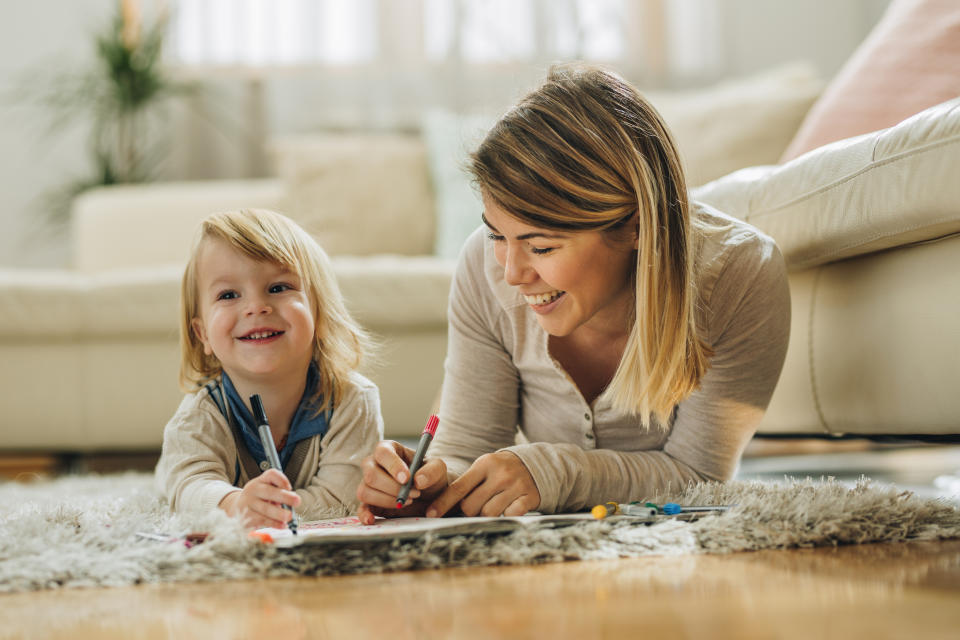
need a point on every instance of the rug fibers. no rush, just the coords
(80, 531)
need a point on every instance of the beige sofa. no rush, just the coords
(88, 356)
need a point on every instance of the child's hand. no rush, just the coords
(386, 471)
(259, 501)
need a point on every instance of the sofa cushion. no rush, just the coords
(64, 303)
(359, 194)
(854, 196)
(385, 291)
(381, 291)
(909, 62)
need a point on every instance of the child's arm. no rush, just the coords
(355, 428)
(198, 460)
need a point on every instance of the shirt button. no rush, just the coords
(590, 436)
(264, 465)
(586, 417)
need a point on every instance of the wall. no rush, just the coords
(46, 35)
(755, 34)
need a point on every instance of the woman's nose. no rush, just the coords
(516, 270)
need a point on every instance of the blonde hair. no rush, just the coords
(585, 151)
(340, 344)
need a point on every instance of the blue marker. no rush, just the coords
(672, 509)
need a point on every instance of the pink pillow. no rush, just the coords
(909, 62)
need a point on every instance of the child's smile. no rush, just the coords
(261, 336)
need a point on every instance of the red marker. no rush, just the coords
(425, 440)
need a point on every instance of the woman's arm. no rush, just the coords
(749, 313)
(480, 401)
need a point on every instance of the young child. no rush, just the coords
(262, 314)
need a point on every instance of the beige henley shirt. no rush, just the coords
(500, 377)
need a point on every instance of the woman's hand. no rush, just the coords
(259, 501)
(386, 471)
(495, 484)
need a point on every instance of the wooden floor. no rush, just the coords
(868, 591)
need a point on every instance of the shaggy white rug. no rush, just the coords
(81, 531)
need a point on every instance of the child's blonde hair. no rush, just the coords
(340, 344)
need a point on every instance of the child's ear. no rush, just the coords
(200, 331)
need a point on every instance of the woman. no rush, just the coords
(634, 338)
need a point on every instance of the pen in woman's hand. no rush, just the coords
(425, 439)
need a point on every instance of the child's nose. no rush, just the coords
(258, 306)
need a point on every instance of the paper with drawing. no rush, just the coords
(351, 530)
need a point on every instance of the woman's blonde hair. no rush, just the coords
(340, 344)
(585, 151)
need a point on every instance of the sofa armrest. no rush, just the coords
(856, 196)
(153, 224)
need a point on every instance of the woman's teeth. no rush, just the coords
(543, 298)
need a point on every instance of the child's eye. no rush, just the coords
(280, 287)
(494, 236)
(227, 295)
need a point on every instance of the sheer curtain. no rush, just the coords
(292, 66)
(655, 40)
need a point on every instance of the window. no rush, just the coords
(656, 37)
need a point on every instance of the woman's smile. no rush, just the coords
(545, 303)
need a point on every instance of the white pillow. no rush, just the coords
(855, 196)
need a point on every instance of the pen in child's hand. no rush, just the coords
(270, 449)
(425, 438)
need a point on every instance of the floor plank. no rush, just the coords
(866, 591)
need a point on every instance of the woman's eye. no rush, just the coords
(538, 251)
(227, 295)
(494, 237)
(279, 288)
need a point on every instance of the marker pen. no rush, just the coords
(270, 449)
(672, 509)
(601, 511)
(425, 438)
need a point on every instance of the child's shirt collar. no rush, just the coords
(306, 421)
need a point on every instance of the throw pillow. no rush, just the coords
(740, 122)
(359, 194)
(450, 138)
(910, 61)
